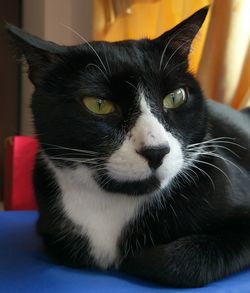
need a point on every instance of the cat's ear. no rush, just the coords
(39, 54)
(181, 36)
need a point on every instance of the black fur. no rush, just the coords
(200, 231)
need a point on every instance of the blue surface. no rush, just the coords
(24, 267)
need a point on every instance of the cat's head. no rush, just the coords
(127, 110)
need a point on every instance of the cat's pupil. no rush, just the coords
(100, 103)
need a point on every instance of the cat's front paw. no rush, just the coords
(187, 262)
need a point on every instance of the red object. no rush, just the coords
(19, 161)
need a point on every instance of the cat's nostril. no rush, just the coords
(154, 154)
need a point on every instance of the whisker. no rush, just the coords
(98, 169)
(175, 67)
(168, 43)
(83, 155)
(193, 149)
(105, 181)
(188, 177)
(232, 143)
(105, 56)
(217, 138)
(83, 39)
(202, 171)
(170, 58)
(224, 159)
(184, 196)
(188, 168)
(72, 149)
(216, 167)
(173, 210)
(71, 160)
(136, 88)
(98, 67)
(223, 142)
(79, 155)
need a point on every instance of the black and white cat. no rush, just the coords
(136, 170)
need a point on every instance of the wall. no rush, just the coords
(9, 79)
(47, 19)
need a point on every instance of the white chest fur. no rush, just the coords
(101, 215)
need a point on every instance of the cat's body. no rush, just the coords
(112, 227)
(163, 194)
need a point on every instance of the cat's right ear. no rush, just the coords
(180, 37)
(38, 53)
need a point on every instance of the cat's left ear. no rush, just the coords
(39, 54)
(181, 36)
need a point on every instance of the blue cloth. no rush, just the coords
(24, 267)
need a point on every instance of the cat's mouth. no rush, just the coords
(133, 188)
(136, 177)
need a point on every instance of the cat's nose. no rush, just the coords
(154, 154)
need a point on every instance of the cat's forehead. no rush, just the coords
(117, 47)
(130, 51)
(118, 64)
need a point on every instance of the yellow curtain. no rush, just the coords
(225, 65)
(121, 19)
(220, 57)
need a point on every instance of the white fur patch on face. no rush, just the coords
(126, 164)
(101, 215)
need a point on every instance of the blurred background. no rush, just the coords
(220, 57)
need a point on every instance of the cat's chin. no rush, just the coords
(133, 188)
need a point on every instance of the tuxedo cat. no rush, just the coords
(136, 170)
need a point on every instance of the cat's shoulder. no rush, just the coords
(226, 121)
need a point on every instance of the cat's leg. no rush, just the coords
(192, 261)
(68, 249)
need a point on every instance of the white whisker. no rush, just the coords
(98, 67)
(136, 88)
(105, 56)
(194, 149)
(217, 140)
(216, 167)
(168, 43)
(224, 159)
(188, 168)
(202, 171)
(188, 177)
(83, 39)
(71, 149)
(178, 48)
(175, 67)
(182, 195)
(79, 155)
(72, 160)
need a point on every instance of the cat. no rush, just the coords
(137, 171)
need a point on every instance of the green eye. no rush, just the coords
(175, 99)
(98, 105)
